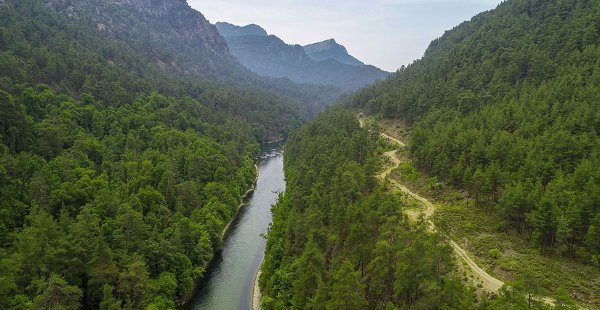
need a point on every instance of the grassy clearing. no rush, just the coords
(509, 257)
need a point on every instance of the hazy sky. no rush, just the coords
(385, 33)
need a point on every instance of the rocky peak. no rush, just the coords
(331, 50)
(229, 30)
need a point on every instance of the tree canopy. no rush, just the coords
(339, 240)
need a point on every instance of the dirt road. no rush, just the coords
(480, 276)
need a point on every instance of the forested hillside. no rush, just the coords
(126, 143)
(507, 107)
(339, 240)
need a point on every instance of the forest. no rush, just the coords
(117, 177)
(339, 240)
(128, 135)
(505, 107)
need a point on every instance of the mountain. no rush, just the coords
(229, 30)
(330, 49)
(168, 26)
(270, 56)
(506, 107)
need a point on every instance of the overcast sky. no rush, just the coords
(384, 33)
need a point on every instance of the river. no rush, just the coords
(230, 277)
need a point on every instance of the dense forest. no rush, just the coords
(505, 106)
(339, 240)
(118, 172)
(129, 133)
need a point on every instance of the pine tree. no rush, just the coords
(347, 290)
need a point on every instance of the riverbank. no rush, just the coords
(256, 295)
(273, 141)
(245, 196)
(242, 204)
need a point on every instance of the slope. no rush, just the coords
(505, 106)
(489, 283)
(339, 241)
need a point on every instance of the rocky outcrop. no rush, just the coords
(157, 28)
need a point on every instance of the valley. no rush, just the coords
(229, 282)
(153, 159)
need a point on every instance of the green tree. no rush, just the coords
(347, 290)
(308, 274)
(55, 293)
(109, 302)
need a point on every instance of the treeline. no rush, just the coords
(506, 107)
(340, 241)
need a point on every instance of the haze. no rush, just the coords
(384, 33)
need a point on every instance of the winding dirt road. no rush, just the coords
(480, 276)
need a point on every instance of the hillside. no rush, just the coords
(127, 137)
(268, 55)
(505, 107)
(339, 240)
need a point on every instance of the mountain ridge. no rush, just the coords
(271, 56)
(330, 49)
(504, 108)
(128, 134)
(230, 30)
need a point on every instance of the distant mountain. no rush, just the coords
(270, 56)
(229, 30)
(330, 49)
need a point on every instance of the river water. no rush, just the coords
(230, 277)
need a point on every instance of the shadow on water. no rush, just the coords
(229, 278)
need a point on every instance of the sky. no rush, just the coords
(384, 33)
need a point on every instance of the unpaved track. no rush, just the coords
(488, 282)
